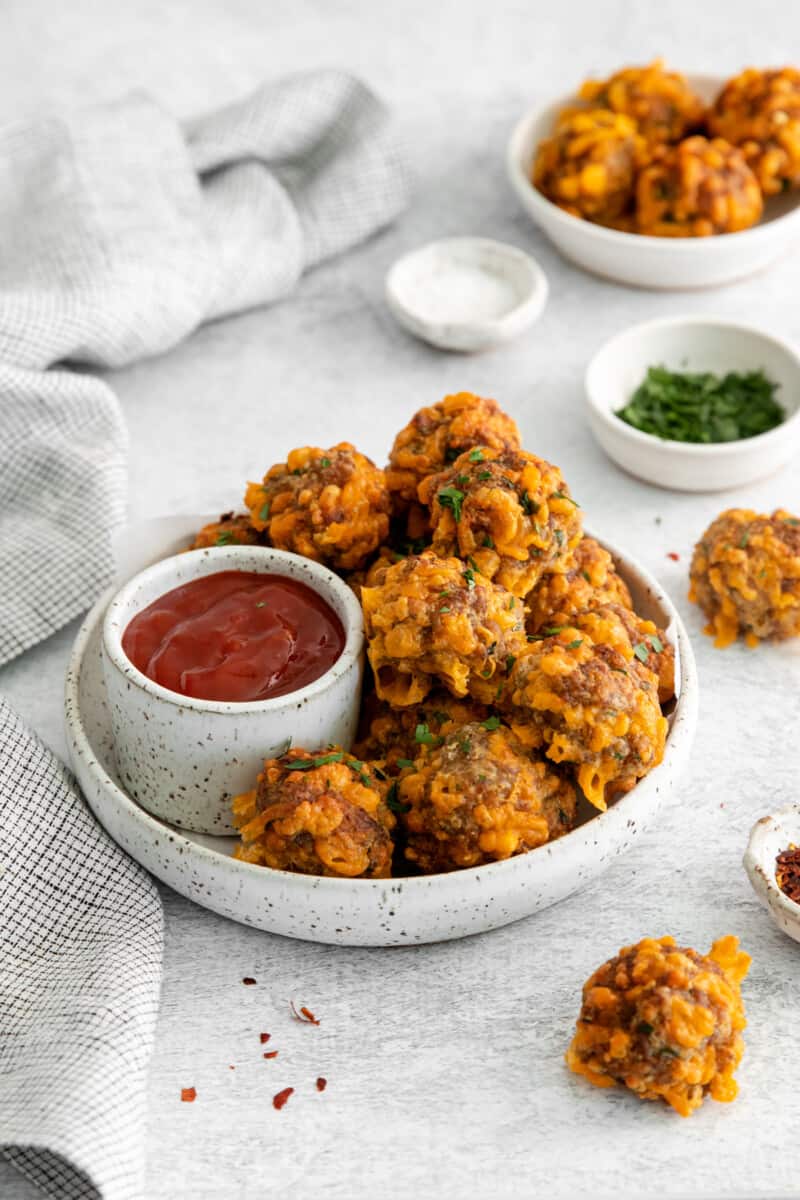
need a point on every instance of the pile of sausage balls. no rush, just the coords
(509, 671)
(642, 153)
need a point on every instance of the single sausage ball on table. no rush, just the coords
(474, 797)
(317, 814)
(588, 166)
(437, 435)
(329, 505)
(661, 103)
(665, 1022)
(589, 579)
(696, 189)
(582, 703)
(745, 575)
(507, 513)
(232, 529)
(639, 641)
(760, 112)
(435, 621)
(395, 736)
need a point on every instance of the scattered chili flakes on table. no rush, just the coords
(264, 1038)
(305, 1014)
(322, 1083)
(248, 981)
(787, 872)
(280, 1098)
(188, 1095)
(675, 557)
(271, 1054)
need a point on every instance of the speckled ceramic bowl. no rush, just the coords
(182, 759)
(370, 912)
(768, 837)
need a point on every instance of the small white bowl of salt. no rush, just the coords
(466, 293)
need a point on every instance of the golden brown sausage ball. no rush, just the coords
(394, 736)
(760, 112)
(582, 703)
(475, 797)
(745, 575)
(317, 814)
(435, 436)
(230, 530)
(588, 166)
(507, 513)
(588, 580)
(436, 620)
(661, 103)
(639, 641)
(665, 1022)
(329, 505)
(696, 189)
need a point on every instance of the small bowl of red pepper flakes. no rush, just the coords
(772, 863)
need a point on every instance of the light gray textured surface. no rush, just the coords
(445, 1064)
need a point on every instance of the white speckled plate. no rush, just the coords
(360, 912)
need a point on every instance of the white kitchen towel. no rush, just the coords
(81, 933)
(120, 232)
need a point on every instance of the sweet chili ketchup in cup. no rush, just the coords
(236, 636)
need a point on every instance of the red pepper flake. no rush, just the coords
(321, 1084)
(787, 872)
(264, 1038)
(305, 1015)
(675, 557)
(248, 981)
(188, 1095)
(280, 1098)
(231, 1068)
(271, 1054)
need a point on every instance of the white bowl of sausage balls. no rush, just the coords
(662, 181)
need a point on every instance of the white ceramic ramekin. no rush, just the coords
(768, 838)
(649, 262)
(692, 344)
(182, 759)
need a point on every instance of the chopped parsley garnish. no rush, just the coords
(491, 723)
(551, 630)
(511, 603)
(462, 479)
(424, 737)
(528, 506)
(306, 764)
(473, 564)
(558, 534)
(445, 608)
(224, 537)
(655, 642)
(263, 514)
(451, 498)
(586, 576)
(641, 652)
(393, 804)
(791, 521)
(488, 543)
(644, 1027)
(484, 475)
(510, 660)
(465, 745)
(469, 577)
(324, 462)
(744, 539)
(574, 645)
(439, 717)
(564, 496)
(679, 406)
(476, 455)
(405, 762)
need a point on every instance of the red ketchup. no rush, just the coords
(235, 636)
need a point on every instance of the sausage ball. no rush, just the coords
(665, 1022)
(507, 513)
(696, 189)
(317, 814)
(588, 166)
(395, 736)
(435, 620)
(760, 112)
(329, 505)
(661, 103)
(588, 580)
(474, 797)
(639, 641)
(582, 703)
(232, 529)
(435, 436)
(745, 575)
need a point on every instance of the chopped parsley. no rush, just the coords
(574, 645)
(451, 498)
(476, 455)
(641, 652)
(744, 539)
(484, 475)
(424, 737)
(488, 543)
(469, 577)
(528, 506)
(306, 764)
(679, 406)
(405, 762)
(491, 723)
(510, 660)
(393, 804)
(564, 496)
(644, 1027)
(465, 745)
(324, 462)
(264, 511)
(224, 537)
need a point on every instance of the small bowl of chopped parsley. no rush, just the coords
(696, 403)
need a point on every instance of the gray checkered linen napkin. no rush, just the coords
(121, 232)
(80, 969)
